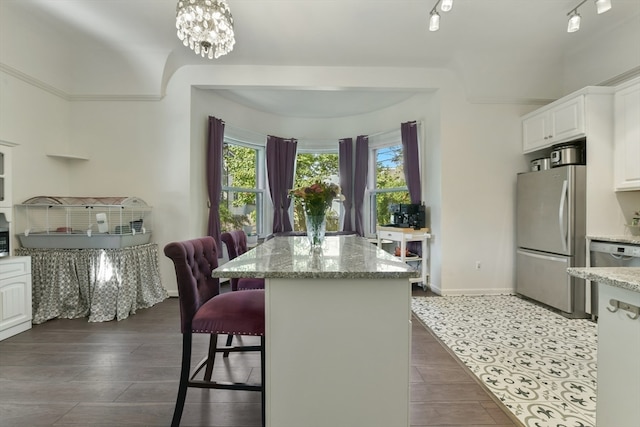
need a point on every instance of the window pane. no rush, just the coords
(240, 209)
(239, 166)
(241, 204)
(382, 201)
(389, 168)
(312, 167)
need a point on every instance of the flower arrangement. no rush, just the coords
(317, 197)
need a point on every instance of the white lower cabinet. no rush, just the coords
(15, 296)
(618, 359)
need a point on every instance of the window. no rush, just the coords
(387, 185)
(312, 167)
(241, 204)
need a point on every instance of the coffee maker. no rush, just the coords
(408, 215)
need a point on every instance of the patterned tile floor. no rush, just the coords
(541, 365)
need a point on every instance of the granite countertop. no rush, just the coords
(621, 277)
(341, 257)
(618, 239)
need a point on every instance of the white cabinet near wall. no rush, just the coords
(553, 124)
(571, 117)
(5, 176)
(627, 136)
(15, 295)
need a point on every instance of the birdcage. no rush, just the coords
(83, 222)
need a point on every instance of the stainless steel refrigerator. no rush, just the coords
(550, 235)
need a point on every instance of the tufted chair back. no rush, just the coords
(236, 242)
(193, 261)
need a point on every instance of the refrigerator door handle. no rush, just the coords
(563, 202)
(545, 257)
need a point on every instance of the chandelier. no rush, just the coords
(206, 26)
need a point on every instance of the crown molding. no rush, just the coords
(8, 143)
(509, 100)
(33, 81)
(71, 98)
(107, 98)
(621, 78)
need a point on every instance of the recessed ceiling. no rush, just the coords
(315, 103)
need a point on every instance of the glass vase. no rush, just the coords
(316, 227)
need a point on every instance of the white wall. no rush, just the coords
(38, 121)
(153, 149)
(474, 167)
(611, 53)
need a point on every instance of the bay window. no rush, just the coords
(243, 187)
(387, 184)
(312, 167)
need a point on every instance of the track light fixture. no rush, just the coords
(574, 17)
(434, 21)
(434, 16)
(602, 6)
(574, 22)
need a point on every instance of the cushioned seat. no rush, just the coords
(236, 242)
(228, 313)
(204, 310)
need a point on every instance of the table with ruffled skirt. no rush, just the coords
(101, 284)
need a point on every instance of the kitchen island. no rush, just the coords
(618, 343)
(338, 331)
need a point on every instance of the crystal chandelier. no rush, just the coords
(206, 26)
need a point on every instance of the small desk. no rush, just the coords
(102, 284)
(338, 331)
(404, 236)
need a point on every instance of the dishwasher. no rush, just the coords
(611, 254)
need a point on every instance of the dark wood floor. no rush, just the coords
(76, 373)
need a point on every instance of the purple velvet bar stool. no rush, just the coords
(236, 242)
(204, 310)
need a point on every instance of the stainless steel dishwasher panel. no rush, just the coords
(611, 254)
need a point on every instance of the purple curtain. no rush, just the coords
(345, 160)
(281, 160)
(214, 177)
(360, 180)
(409, 134)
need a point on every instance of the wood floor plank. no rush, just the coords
(72, 372)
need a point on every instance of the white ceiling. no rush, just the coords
(363, 33)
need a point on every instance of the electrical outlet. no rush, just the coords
(478, 265)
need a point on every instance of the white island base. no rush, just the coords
(337, 331)
(338, 352)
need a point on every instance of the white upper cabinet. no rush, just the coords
(5, 176)
(627, 136)
(558, 122)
